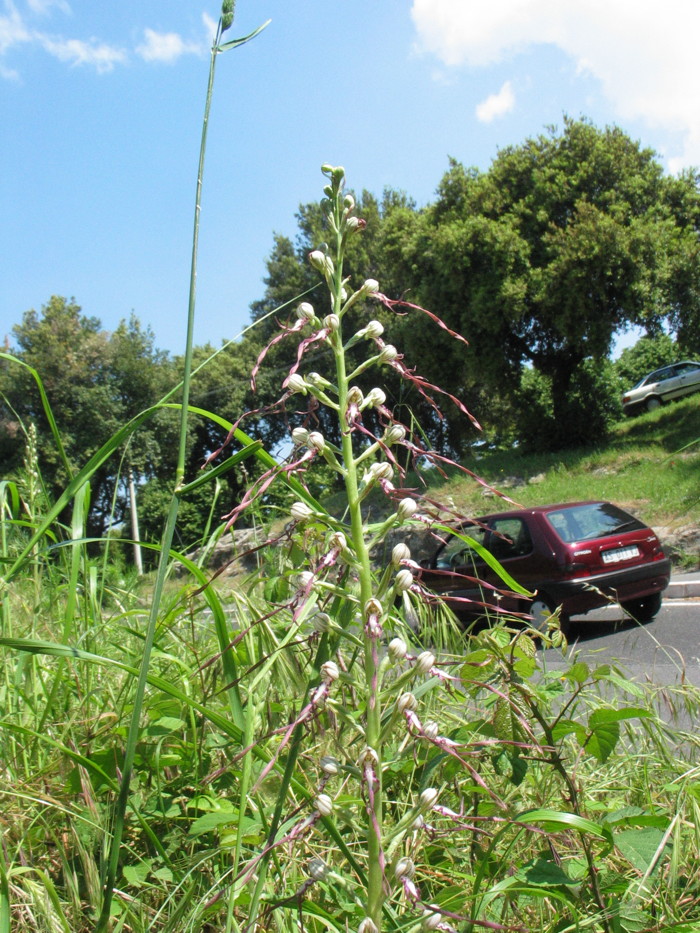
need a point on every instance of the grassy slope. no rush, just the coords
(650, 465)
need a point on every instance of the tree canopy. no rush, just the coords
(542, 259)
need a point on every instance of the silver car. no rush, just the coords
(662, 385)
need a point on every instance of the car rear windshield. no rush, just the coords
(591, 520)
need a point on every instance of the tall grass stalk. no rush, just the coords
(224, 23)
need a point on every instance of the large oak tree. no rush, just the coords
(566, 240)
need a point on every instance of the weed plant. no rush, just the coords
(322, 749)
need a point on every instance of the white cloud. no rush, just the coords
(17, 28)
(210, 25)
(643, 52)
(42, 7)
(496, 105)
(101, 56)
(165, 47)
(12, 29)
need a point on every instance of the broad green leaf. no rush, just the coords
(578, 672)
(602, 740)
(217, 819)
(635, 920)
(166, 724)
(525, 667)
(641, 847)
(566, 727)
(618, 715)
(137, 874)
(545, 873)
(624, 815)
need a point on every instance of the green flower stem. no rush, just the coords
(375, 897)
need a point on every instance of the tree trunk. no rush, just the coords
(138, 562)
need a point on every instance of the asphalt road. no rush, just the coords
(665, 651)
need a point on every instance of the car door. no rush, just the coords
(511, 541)
(670, 384)
(457, 571)
(689, 374)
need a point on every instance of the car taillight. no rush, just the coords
(576, 569)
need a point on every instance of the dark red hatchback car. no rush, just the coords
(578, 555)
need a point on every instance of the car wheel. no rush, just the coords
(541, 610)
(643, 609)
(653, 403)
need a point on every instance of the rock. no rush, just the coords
(231, 551)
(681, 543)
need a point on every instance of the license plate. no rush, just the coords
(620, 553)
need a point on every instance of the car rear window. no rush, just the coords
(591, 520)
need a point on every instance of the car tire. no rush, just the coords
(653, 402)
(643, 609)
(541, 610)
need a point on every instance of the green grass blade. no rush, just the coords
(55, 433)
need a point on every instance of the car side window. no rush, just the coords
(457, 552)
(510, 537)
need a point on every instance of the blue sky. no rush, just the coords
(101, 118)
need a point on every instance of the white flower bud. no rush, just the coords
(367, 755)
(367, 926)
(370, 286)
(405, 868)
(379, 471)
(316, 441)
(343, 293)
(403, 581)
(400, 553)
(330, 765)
(300, 436)
(428, 798)
(373, 330)
(303, 579)
(375, 398)
(321, 622)
(373, 608)
(406, 509)
(331, 322)
(431, 730)
(317, 258)
(317, 380)
(397, 650)
(324, 804)
(431, 920)
(394, 433)
(301, 512)
(349, 202)
(339, 541)
(329, 672)
(317, 869)
(355, 396)
(406, 701)
(353, 224)
(297, 383)
(425, 661)
(305, 311)
(388, 354)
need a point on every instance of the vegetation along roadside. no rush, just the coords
(295, 752)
